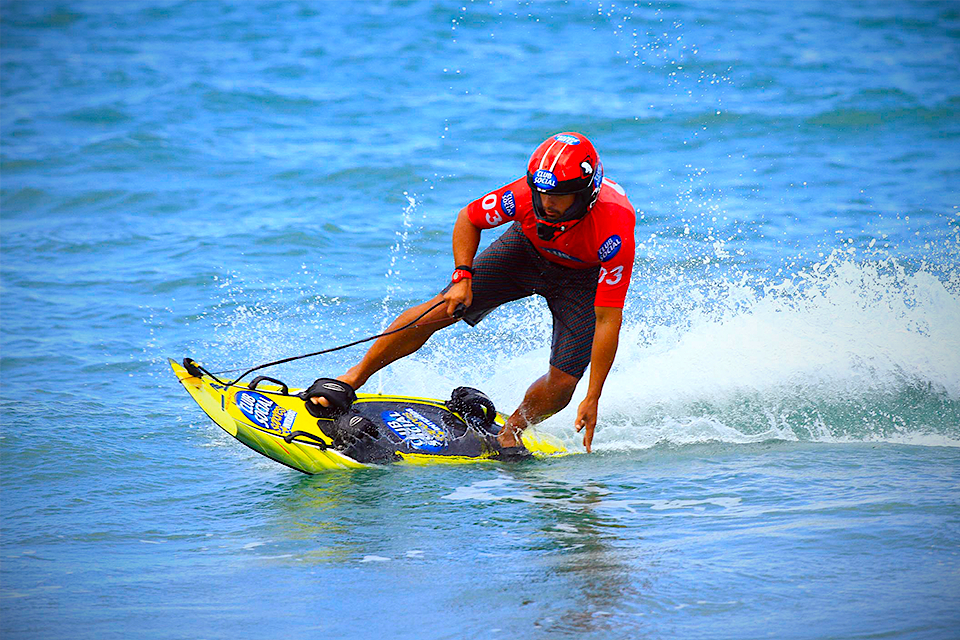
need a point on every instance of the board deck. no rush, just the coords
(278, 426)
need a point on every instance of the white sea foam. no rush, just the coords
(835, 353)
(375, 559)
(846, 350)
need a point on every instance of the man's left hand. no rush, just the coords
(587, 420)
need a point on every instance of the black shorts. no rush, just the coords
(510, 269)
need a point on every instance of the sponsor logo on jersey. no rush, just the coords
(264, 412)
(544, 180)
(416, 431)
(566, 138)
(561, 254)
(609, 248)
(509, 204)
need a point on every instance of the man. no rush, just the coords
(571, 242)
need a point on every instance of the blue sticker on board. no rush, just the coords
(544, 180)
(609, 248)
(509, 204)
(264, 412)
(566, 138)
(417, 431)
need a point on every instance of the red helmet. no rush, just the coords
(564, 164)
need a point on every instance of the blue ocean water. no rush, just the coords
(779, 444)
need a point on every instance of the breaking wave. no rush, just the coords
(845, 350)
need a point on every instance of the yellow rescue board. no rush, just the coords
(279, 427)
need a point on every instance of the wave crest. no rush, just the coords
(845, 350)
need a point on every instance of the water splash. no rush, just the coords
(398, 254)
(844, 350)
(860, 346)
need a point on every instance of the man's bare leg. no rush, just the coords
(393, 347)
(545, 397)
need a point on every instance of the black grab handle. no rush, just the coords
(283, 386)
(320, 443)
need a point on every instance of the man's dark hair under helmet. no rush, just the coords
(564, 164)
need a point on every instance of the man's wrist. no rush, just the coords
(462, 272)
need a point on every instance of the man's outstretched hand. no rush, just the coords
(587, 420)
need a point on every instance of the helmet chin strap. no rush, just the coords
(547, 230)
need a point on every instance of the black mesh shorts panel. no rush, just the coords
(510, 269)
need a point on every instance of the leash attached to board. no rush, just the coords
(196, 370)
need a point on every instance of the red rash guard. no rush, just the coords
(603, 237)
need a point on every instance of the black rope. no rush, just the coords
(457, 314)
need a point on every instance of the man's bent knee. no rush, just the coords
(562, 385)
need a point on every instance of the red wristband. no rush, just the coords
(460, 274)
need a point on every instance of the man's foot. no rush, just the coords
(511, 445)
(509, 437)
(328, 398)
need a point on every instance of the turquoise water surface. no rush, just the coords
(778, 451)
